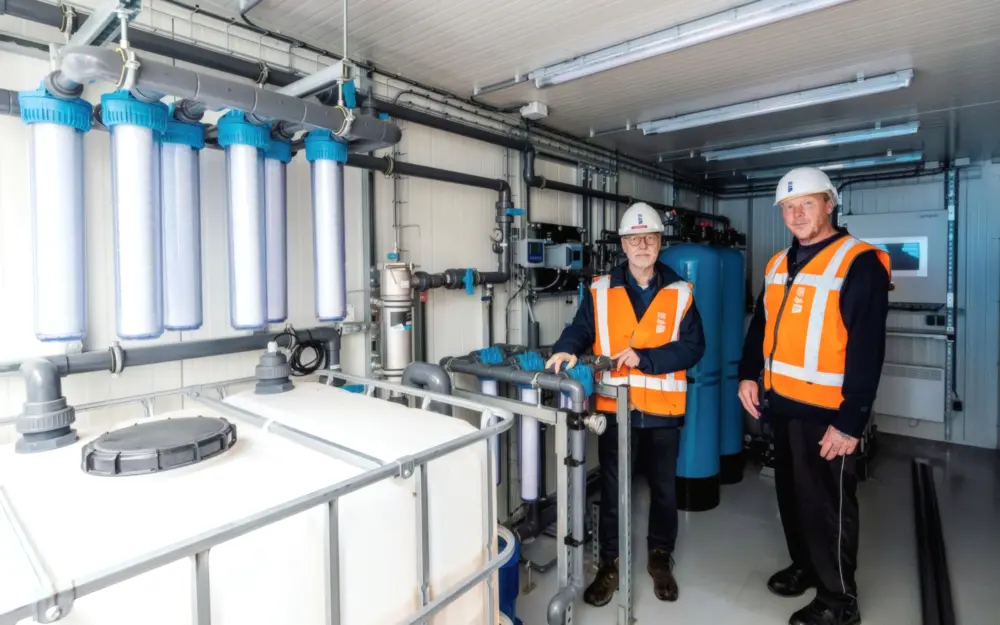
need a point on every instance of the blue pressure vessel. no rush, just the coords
(698, 461)
(733, 312)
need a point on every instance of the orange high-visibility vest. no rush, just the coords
(805, 340)
(616, 329)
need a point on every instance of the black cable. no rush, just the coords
(297, 347)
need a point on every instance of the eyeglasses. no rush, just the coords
(633, 240)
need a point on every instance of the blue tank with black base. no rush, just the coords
(698, 462)
(731, 460)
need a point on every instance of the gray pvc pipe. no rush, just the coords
(42, 383)
(548, 381)
(169, 352)
(8, 103)
(431, 377)
(86, 64)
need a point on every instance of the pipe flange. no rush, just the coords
(117, 358)
(34, 427)
(53, 86)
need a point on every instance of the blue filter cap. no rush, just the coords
(279, 150)
(41, 107)
(121, 108)
(322, 146)
(185, 133)
(234, 129)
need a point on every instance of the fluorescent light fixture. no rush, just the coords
(715, 26)
(788, 101)
(858, 163)
(841, 138)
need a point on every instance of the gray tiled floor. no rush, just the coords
(725, 556)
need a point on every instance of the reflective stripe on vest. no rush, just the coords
(616, 329)
(809, 354)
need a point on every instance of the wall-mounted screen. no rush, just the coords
(908, 255)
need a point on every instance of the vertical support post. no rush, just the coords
(423, 530)
(562, 497)
(331, 547)
(202, 600)
(624, 509)
(491, 525)
(951, 201)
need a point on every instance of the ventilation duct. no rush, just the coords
(135, 171)
(277, 155)
(244, 143)
(180, 167)
(327, 156)
(55, 166)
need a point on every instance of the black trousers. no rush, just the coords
(658, 447)
(818, 502)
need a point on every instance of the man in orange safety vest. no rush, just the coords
(817, 342)
(643, 316)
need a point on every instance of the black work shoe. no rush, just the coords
(791, 582)
(604, 585)
(820, 612)
(661, 568)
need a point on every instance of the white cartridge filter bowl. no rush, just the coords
(135, 184)
(531, 434)
(327, 157)
(55, 166)
(57, 228)
(277, 155)
(244, 144)
(180, 190)
(492, 387)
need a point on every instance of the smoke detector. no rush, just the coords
(534, 110)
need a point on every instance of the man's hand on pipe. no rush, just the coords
(558, 359)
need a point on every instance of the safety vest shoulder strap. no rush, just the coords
(685, 297)
(600, 290)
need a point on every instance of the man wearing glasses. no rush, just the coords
(643, 316)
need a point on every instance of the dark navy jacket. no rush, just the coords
(684, 353)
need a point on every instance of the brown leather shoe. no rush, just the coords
(604, 585)
(660, 567)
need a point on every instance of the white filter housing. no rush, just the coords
(82, 524)
(492, 387)
(57, 214)
(245, 143)
(135, 175)
(531, 441)
(276, 158)
(327, 157)
(180, 190)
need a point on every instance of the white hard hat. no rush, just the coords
(805, 181)
(640, 218)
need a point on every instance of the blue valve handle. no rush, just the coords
(470, 282)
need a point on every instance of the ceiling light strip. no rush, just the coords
(716, 26)
(792, 145)
(858, 163)
(788, 101)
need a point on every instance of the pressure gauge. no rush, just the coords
(496, 235)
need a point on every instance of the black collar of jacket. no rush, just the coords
(662, 276)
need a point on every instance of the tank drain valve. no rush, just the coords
(596, 423)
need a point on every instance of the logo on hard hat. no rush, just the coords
(790, 183)
(640, 219)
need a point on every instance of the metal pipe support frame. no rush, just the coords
(570, 550)
(197, 548)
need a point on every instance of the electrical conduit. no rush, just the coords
(56, 129)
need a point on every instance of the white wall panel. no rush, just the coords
(978, 291)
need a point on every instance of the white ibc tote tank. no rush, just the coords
(81, 524)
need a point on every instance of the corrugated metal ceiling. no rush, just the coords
(458, 44)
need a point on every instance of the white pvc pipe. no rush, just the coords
(276, 239)
(137, 244)
(247, 271)
(329, 245)
(492, 387)
(57, 220)
(181, 194)
(531, 443)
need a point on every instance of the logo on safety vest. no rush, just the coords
(797, 303)
(661, 323)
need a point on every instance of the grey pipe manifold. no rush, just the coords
(431, 377)
(535, 379)
(9, 104)
(47, 420)
(87, 64)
